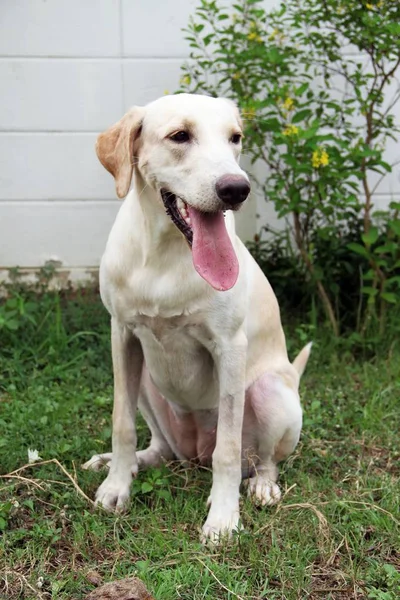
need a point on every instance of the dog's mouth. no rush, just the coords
(214, 257)
(177, 210)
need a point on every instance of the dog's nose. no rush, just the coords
(232, 189)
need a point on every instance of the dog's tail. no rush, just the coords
(300, 362)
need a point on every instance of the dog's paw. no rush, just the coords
(97, 462)
(100, 461)
(263, 491)
(219, 528)
(114, 492)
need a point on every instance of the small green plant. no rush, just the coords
(16, 311)
(154, 481)
(383, 582)
(319, 117)
(5, 510)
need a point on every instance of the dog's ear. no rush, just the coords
(118, 146)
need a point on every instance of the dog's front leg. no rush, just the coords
(223, 516)
(127, 364)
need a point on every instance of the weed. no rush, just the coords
(5, 509)
(155, 481)
(383, 582)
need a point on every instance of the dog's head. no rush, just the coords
(186, 148)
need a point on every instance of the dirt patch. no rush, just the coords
(331, 585)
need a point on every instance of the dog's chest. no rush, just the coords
(178, 358)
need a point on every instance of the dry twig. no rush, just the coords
(218, 581)
(15, 475)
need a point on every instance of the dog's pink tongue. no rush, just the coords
(213, 255)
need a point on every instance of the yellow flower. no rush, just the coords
(288, 104)
(315, 159)
(249, 112)
(273, 34)
(320, 158)
(254, 36)
(166, 92)
(290, 130)
(324, 158)
(276, 35)
(185, 80)
(236, 75)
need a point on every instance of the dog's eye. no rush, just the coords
(180, 137)
(236, 137)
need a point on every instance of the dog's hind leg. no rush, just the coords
(159, 450)
(154, 455)
(277, 416)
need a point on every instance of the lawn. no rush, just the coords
(335, 534)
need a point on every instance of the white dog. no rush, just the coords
(197, 342)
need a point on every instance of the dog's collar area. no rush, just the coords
(176, 209)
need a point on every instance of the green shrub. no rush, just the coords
(313, 81)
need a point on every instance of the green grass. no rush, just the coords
(335, 534)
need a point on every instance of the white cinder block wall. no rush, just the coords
(68, 70)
